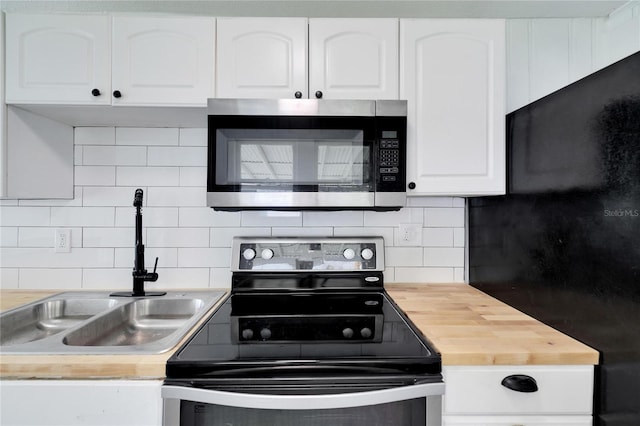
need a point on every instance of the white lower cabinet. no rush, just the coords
(476, 396)
(80, 402)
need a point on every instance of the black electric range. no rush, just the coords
(302, 308)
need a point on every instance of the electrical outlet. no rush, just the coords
(62, 240)
(410, 234)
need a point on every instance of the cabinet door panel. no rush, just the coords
(353, 58)
(453, 79)
(261, 57)
(57, 59)
(163, 61)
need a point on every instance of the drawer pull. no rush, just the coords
(520, 383)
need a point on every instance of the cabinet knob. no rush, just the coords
(117, 94)
(96, 92)
(412, 185)
(319, 94)
(520, 383)
(298, 95)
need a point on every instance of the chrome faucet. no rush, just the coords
(140, 274)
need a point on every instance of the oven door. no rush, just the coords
(314, 404)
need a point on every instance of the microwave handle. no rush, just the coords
(301, 402)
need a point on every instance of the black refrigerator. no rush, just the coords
(564, 244)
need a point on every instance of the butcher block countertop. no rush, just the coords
(470, 327)
(466, 325)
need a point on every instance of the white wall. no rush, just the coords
(192, 241)
(544, 55)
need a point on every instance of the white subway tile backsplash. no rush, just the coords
(177, 237)
(82, 216)
(177, 156)
(458, 275)
(424, 275)
(444, 217)
(271, 218)
(95, 175)
(107, 279)
(167, 257)
(459, 237)
(404, 215)
(9, 277)
(108, 237)
(108, 196)
(339, 218)
(146, 136)
(207, 217)
(147, 176)
(403, 256)
(443, 257)
(152, 217)
(47, 258)
(177, 197)
(222, 237)
(193, 176)
(50, 278)
(95, 136)
(191, 240)
(25, 216)
(182, 278)
(220, 278)
(370, 231)
(114, 156)
(204, 257)
(193, 137)
(8, 236)
(45, 237)
(306, 231)
(437, 237)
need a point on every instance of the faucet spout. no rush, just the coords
(140, 274)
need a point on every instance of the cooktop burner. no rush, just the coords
(306, 305)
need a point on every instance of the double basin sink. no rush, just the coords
(97, 323)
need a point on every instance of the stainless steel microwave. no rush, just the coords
(306, 154)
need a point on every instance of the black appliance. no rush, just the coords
(286, 154)
(564, 244)
(307, 337)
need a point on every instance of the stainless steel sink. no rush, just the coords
(96, 323)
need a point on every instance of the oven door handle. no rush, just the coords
(302, 402)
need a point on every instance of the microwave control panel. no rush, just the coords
(391, 154)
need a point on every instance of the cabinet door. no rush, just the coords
(58, 59)
(353, 58)
(452, 74)
(261, 57)
(163, 60)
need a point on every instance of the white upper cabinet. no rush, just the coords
(163, 60)
(267, 58)
(453, 77)
(261, 57)
(353, 58)
(61, 59)
(70, 59)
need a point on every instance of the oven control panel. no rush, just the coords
(317, 254)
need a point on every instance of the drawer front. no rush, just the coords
(566, 390)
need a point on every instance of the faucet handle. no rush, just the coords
(153, 276)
